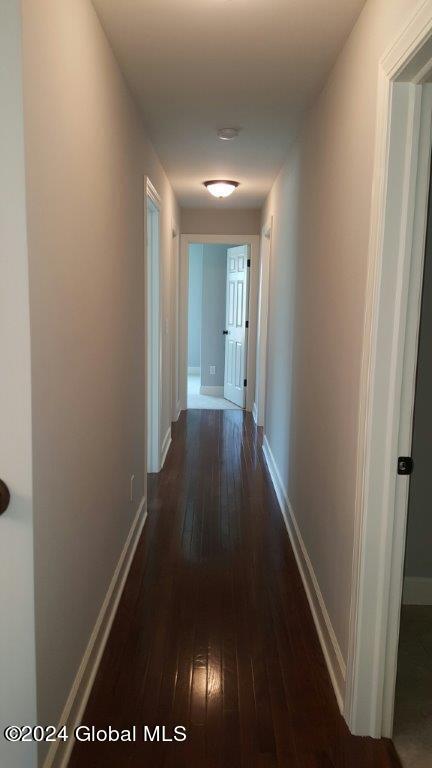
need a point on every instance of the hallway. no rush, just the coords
(213, 631)
(171, 559)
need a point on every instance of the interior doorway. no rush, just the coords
(399, 214)
(217, 325)
(218, 311)
(412, 731)
(153, 323)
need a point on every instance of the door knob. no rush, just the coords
(4, 497)
(225, 333)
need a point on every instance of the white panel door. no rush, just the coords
(235, 328)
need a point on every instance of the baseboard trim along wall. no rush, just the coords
(59, 754)
(417, 591)
(165, 445)
(329, 644)
(214, 391)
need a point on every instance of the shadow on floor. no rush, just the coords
(413, 704)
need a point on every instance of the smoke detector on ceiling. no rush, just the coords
(226, 134)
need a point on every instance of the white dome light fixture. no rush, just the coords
(221, 187)
(227, 134)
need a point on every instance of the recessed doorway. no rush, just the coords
(412, 731)
(217, 325)
(218, 322)
(388, 382)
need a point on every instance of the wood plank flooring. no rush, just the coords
(214, 631)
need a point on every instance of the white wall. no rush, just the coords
(321, 206)
(195, 304)
(86, 160)
(17, 633)
(224, 221)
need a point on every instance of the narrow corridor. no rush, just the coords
(214, 630)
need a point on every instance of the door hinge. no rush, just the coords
(248, 262)
(245, 383)
(405, 465)
(247, 323)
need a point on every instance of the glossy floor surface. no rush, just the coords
(214, 631)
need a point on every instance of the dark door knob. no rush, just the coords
(225, 333)
(4, 497)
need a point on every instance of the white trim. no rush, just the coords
(395, 265)
(152, 192)
(194, 370)
(253, 242)
(175, 321)
(262, 322)
(60, 751)
(417, 591)
(213, 391)
(327, 637)
(154, 336)
(255, 413)
(166, 445)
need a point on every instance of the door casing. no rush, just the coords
(387, 387)
(152, 241)
(262, 324)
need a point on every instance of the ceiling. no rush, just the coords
(198, 65)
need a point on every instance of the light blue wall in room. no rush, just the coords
(213, 316)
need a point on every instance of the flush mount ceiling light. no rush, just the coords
(226, 134)
(221, 187)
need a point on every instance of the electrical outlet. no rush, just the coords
(212, 370)
(131, 492)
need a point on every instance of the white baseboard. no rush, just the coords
(60, 752)
(194, 370)
(255, 413)
(329, 644)
(417, 591)
(214, 391)
(165, 445)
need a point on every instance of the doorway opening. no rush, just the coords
(218, 323)
(412, 732)
(399, 219)
(153, 322)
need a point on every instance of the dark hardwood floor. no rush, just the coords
(214, 631)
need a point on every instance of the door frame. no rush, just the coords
(253, 242)
(387, 387)
(175, 323)
(153, 332)
(258, 409)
